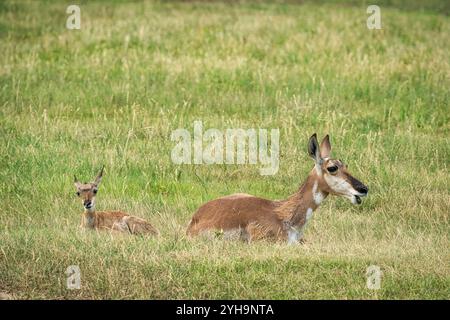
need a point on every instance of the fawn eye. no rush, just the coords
(332, 169)
(78, 193)
(95, 191)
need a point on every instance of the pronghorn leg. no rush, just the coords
(295, 236)
(245, 236)
(139, 226)
(236, 234)
(258, 231)
(120, 226)
(193, 228)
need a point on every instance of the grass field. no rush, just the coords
(112, 93)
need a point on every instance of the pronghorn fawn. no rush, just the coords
(107, 220)
(253, 218)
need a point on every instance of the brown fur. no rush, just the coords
(237, 212)
(116, 221)
(259, 218)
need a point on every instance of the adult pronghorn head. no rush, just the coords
(87, 191)
(333, 175)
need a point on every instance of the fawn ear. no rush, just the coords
(325, 147)
(76, 182)
(313, 149)
(98, 179)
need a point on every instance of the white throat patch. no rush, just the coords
(317, 194)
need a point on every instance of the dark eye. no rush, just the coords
(95, 191)
(332, 169)
(78, 193)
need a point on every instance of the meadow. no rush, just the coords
(112, 93)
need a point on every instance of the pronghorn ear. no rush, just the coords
(325, 147)
(99, 177)
(313, 148)
(76, 182)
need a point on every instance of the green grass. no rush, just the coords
(112, 93)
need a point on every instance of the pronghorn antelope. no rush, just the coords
(107, 220)
(253, 218)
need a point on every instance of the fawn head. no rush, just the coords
(333, 175)
(87, 191)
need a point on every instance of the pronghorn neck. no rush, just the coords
(89, 217)
(89, 212)
(299, 206)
